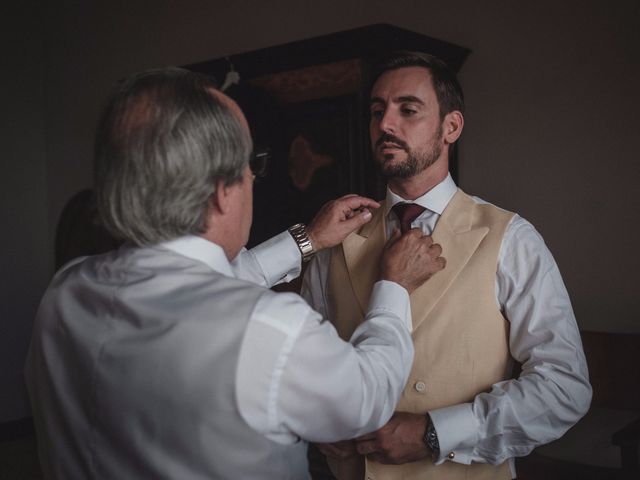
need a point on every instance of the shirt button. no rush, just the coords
(451, 456)
(420, 387)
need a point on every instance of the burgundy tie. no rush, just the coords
(407, 213)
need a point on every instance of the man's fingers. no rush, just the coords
(366, 448)
(395, 236)
(357, 220)
(435, 249)
(339, 450)
(355, 202)
(366, 437)
(428, 239)
(416, 232)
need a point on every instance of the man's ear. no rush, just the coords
(220, 201)
(452, 126)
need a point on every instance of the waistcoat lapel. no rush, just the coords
(362, 252)
(454, 232)
(459, 240)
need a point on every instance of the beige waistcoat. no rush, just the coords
(459, 334)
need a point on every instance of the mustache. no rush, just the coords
(387, 137)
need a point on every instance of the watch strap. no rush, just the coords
(301, 237)
(431, 437)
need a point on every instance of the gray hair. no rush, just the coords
(163, 141)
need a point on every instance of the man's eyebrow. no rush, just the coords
(408, 99)
(401, 99)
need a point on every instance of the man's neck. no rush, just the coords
(416, 186)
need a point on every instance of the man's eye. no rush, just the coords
(377, 113)
(409, 111)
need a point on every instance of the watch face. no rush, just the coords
(431, 437)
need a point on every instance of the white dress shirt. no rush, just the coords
(154, 362)
(295, 376)
(553, 390)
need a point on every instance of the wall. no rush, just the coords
(553, 107)
(24, 262)
(550, 86)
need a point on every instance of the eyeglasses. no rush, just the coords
(259, 161)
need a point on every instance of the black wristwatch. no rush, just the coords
(431, 437)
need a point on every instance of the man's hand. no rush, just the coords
(338, 450)
(411, 259)
(338, 218)
(399, 441)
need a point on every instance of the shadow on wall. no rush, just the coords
(80, 231)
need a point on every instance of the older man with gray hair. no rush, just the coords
(170, 358)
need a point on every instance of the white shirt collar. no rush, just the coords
(197, 248)
(435, 199)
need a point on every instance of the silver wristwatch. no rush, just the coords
(431, 437)
(299, 234)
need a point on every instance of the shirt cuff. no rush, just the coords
(279, 258)
(391, 297)
(457, 430)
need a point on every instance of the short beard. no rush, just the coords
(415, 162)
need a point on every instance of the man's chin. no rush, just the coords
(391, 163)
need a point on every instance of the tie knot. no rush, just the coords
(407, 213)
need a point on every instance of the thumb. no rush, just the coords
(395, 236)
(357, 221)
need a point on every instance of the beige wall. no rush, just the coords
(551, 90)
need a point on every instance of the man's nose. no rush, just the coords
(388, 122)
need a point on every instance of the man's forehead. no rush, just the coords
(413, 81)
